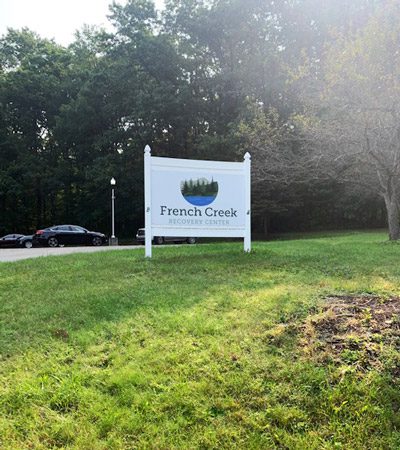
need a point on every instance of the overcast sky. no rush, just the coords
(56, 19)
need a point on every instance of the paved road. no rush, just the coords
(15, 254)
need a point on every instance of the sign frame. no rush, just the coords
(240, 168)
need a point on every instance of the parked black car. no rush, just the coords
(140, 237)
(68, 235)
(16, 240)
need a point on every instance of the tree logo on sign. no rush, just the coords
(200, 191)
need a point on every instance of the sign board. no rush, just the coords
(193, 198)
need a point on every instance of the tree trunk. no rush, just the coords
(393, 214)
(39, 204)
(265, 224)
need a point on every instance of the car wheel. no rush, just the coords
(159, 240)
(96, 241)
(28, 244)
(191, 240)
(52, 242)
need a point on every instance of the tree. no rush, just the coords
(354, 122)
(32, 90)
(280, 165)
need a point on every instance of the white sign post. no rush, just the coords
(193, 198)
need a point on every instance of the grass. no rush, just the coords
(199, 347)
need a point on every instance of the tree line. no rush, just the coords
(200, 187)
(309, 89)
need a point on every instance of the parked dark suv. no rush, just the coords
(68, 235)
(140, 237)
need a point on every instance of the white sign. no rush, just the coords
(193, 198)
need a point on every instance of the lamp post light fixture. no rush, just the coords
(113, 240)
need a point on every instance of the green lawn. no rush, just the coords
(200, 347)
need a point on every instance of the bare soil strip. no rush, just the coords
(354, 328)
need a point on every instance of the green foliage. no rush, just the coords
(351, 116)
(186, 81)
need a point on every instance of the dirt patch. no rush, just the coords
(61, 334)
(353, 329)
